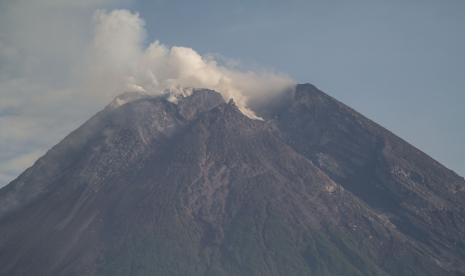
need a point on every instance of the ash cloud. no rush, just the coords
(60, 62)
(118, 61)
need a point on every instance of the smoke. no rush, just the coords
(62, 61)
(118, 62)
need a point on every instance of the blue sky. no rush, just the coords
(401, 63)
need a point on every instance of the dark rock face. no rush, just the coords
(197, 188)
(422, 198)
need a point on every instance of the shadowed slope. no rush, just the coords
(197, 188)
(420, 196)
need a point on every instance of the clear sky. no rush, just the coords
(400, 63)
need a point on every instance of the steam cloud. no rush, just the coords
(119, 62)
(58, 67)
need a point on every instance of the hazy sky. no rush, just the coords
(401, 63)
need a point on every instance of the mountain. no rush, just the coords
(152, 186)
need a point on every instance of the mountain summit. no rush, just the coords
(151, 186)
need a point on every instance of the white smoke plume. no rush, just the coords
(58, 66)
(118, 62)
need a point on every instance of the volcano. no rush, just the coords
(192, 186)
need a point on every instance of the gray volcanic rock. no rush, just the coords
(151, 187)
(422, 198)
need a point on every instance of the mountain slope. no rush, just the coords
(152, 187)
(420, 196)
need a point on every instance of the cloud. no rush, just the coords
(61, 61)
(41, 46)
(9, 168)
(118, 53)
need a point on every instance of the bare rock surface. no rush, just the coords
(194, 187)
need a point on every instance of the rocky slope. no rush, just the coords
(153, 187)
